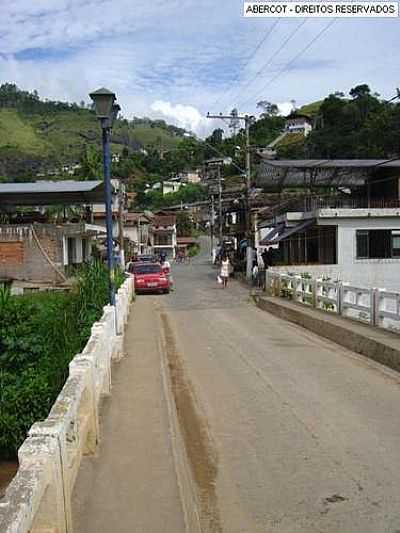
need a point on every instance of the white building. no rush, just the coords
(360, 246)
(190, 176)
(171, 186)
(298, 123)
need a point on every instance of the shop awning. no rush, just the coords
(270, 238)
(285, 232)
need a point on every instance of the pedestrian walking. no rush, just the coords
(225, 264)
(255, 274)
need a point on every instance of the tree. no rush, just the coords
(184, 224)
(216, 137)
(268, 109)
(91, 163)
(360, 91)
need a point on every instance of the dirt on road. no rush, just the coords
(203, 459)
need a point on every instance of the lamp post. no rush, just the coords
(106, 111)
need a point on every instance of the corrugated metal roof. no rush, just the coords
(332, 163)
(66, 192)
(319, 172)
(49, 187)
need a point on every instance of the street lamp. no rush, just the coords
(106, 111)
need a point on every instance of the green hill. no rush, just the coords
(311, 109)
(38, 135)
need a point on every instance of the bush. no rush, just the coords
(193, 250)
(39, 335)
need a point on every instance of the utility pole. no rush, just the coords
(220, 202)
(121, 203)
(247, 119)
(212, 227)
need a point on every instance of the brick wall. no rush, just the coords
(22, 259)
(11, 252)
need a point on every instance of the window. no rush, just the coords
(163, 239)
(395, 243)
(362, 245)
(85, 250)
(146, 269)
(71, 247)
(377, 244)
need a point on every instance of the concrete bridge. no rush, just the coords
(222, 418)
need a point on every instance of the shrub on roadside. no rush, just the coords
(39, 335)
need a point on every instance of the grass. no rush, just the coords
(62, 135)
(20, 134)
(154, 136)
(290, 138)
(311, 109)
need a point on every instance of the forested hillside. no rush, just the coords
(360, 125)
(37, 135)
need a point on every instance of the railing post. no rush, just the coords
(279, 285)
(314, 284)
(268, 290)
(340, 296)
(374, 307)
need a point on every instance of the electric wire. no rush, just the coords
(252, 55)
(270, 59)
(287, 66)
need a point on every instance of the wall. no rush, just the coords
(379, 273)
(38, 499)
(383, 273)
(372, 274)
(31, 264)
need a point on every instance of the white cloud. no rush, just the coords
(184, 116)
(285, 108)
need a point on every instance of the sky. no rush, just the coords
(177, 60)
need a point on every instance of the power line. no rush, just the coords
(271, 58)
(221, 154)
(257, 48)
(286, 67)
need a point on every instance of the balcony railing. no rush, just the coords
(311, 204)
(304, 204)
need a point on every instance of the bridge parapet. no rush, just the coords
(373, 306)
(38, 499)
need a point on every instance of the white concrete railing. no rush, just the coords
(38, 500)
(377, 307)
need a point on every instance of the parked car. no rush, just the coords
(150, 277)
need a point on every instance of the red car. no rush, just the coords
(149, 277)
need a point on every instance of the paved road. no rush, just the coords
(301, 435)
(284, 431)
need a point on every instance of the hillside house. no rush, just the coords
(171, 186)
(298, 123)
(190, 176)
